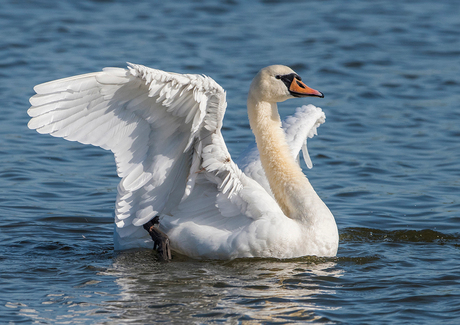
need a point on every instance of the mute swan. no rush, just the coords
(165, 132)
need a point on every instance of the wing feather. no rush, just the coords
(164, 131)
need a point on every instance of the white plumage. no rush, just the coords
(165, 132)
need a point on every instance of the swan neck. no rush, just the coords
(288, 183)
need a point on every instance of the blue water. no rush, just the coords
(386, 162)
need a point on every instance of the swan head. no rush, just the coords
(276, 83)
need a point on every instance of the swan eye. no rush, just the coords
(287, 79)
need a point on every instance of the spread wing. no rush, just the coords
(164, 130)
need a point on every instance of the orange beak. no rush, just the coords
(299, 89)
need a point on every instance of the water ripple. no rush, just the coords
(386, 162)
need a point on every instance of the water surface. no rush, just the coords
(386, 162)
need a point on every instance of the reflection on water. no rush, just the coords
(244, 289)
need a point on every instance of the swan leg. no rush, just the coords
(160, 239)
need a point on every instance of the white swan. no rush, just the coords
(165, 132)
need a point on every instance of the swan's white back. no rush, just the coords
(165, 132)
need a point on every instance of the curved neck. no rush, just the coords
(288, 183)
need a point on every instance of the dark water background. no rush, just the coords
(387, 162)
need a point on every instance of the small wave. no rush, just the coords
(416, 236)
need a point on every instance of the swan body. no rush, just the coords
(165, 132)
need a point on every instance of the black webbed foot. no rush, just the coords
(160, 239)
